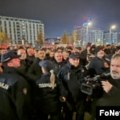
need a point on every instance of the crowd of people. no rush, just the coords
(45, 83)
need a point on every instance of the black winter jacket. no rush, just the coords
(14, 94)
(47, 98)
(112, 98)
(70, 79)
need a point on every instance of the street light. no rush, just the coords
(113, 27)
(89, 24)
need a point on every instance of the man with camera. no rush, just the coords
(111, 87)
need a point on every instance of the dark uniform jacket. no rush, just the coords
(7, 106)
(48, 98)
(13, 94)
(70, 79)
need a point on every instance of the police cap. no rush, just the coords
(74, 55)
(9, 56)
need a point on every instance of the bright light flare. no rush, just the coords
(113, 27)
(89, 23)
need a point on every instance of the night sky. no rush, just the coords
(61, 16)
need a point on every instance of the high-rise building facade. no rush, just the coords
(96, 36)
(85, 35)
(21, 30)
(111, 38)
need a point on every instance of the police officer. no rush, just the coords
(7, 105)
(70, 76)
(48, 106)
(14, 90)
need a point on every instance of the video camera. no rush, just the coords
(89, 84)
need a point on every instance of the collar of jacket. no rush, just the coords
(71, 67)
(10, 70)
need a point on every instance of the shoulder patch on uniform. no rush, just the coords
(25, 91)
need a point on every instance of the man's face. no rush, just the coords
(101, 54)
(115, 68)
(30, 51)
(3, 51)
(15, 62)
(74, 61)
(65, 55)
(41, 54)
(22, 54)
(58, 57)
(51, 54)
